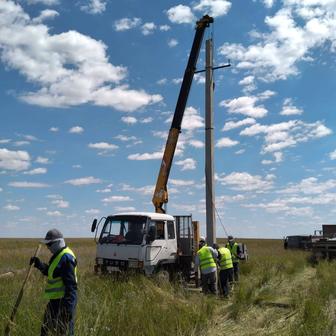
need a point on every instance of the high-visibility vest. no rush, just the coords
(55, 288)
(206, 258)
(226, 259)
(234, 252)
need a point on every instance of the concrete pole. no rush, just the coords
(209, 146)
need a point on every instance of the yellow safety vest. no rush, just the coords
(226, 259)
(234, 252)
(206, 258)
(55, 288)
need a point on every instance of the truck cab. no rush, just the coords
(144, 242)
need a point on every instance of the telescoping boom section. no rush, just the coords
(160, 196)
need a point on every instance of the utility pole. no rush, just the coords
(209, 145)
(209, 142)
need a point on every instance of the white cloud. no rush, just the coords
(214, 8)
(103, 146)
(76, 130)
(92, 211)
(129, 120)
(162, 81)
(268, 3)
(44, 2)
(112, 199)
(196, 143)
(4, 141)
(164, 28)
(60, 203)
(124, 209)
(245, 105)
(235, 124)
(42, 160)
(68, 68)
(181, 183)
(172, 43)
(14, 160)
(310, 185)
(192, 119)
(226, 142)
(289, 109)
(54, 213)
(145, 190)
(104, 191)
(187, 164)
(249, 83)
(148, 28)
(126, 23)
(45, 14)
(180, 14)
(24, 184)
(332, 155)
(246, 182)
(1, 189)
(36, 171)
(84, 181)
(146, 120)
(146, 156)
(11, 207)
(286, 134)
(94, 7)
(177, 80)
(53, 129)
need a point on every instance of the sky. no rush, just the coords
(88, 89)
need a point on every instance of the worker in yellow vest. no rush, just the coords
(226, 270)
(61, 288)
(236, 256)
(206, 260)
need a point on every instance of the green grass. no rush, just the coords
(279, 294)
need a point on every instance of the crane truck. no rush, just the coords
(154, 242)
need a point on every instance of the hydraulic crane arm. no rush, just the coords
(160, 196)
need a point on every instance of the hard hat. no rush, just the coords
(52, 236)
(202, 239)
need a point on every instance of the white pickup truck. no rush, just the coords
(145, 242)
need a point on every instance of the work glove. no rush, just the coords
(36, 262)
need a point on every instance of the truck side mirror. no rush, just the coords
(151, 235)
(94, 225)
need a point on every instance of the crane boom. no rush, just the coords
(160, 196)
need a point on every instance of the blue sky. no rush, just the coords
(88, 89)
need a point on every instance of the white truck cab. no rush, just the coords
(144, 241)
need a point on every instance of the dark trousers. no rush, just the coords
(209, 283)
(57, 321)
(225, 278)
(236, 271)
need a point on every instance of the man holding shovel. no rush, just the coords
(61, 288)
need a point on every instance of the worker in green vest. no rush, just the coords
(61, 288)
(206, 261)
(226, 270)
(236, 255)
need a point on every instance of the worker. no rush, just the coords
(226, 269)
(134, 234)
(236, 255)
(206, 261)
(61, 288)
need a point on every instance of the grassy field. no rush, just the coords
(278, 294)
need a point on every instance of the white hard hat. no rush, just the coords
(202, 239)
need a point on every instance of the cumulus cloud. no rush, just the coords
(70, 68)
(112, 199)
(124, 209)
(94, 7)
(181, 183)
(148, 28)
(84, 181)
(246, 105)
(283, 135)
(226, 142)
(129, 120)
(92, 211)
(14, 160)
(214, 8)
(235, 124)
(146, 156)
(60, 203)
(103, 146)
(187, 164)
(293, 32)
(54, 129)
(196, 143)
(172, 43)
(45, 14)
(332, 155)
(145, 190)
(126, 23)
(42, 160)
(36, 171)
(289, 109)
(11, 207)
(44, 2)
(244, 181)
(76, 130)
(180, 14)
(192, 119)
(24, 184)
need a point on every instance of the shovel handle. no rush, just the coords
(19, 298)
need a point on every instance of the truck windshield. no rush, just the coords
(123, 230)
